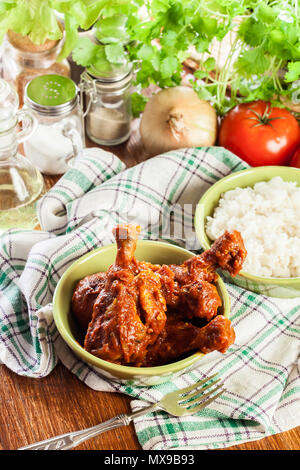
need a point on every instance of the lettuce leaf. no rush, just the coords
(34, 18)
(37, 19)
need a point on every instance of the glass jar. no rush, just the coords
(108, 104)
(21, 184)
(59, 137)
(20, 66)
(112, 29)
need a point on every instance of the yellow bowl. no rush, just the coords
(99, 260)
(271, 286)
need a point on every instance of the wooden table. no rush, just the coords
(36, 409)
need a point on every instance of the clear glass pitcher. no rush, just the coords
(21, 184)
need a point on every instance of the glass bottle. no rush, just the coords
(20, 66)
(59, 136)
(108, 103)
(21, 184)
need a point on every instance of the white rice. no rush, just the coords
(268, 217)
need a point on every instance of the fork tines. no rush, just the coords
(196, 401)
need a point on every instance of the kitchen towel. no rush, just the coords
(260, 371)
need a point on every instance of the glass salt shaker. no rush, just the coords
(21, 184)
(108, 103)
(59, 136)
(23, 61)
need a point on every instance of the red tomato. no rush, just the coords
(295, 161)
(259, 134)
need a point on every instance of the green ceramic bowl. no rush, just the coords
(99, 260)
(274, 287)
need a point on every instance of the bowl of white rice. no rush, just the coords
(263, 204)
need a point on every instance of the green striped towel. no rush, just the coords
(260, 371)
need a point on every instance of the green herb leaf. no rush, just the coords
(138, 102)
(266, 13)
(252, 61)
(293, 73)
(71, 29)
(85, 52)
(210, 64)
(168, 66)
(115, 53)
(169, 39)
(263, 45)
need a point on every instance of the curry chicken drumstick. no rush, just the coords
(130, 312)
(189, 285)
(180, 337)
(142, 315)
(84, 297)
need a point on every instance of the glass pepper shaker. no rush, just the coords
(59, 137)
(21, 184)
(108, 103)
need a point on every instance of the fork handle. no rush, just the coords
(73, 439)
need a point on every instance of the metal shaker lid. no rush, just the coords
(51, 94)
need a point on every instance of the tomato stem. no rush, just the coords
(264, 119)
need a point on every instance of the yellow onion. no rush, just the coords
(177, 118)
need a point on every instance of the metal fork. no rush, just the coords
(183, 402)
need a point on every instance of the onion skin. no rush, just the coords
(177, 118)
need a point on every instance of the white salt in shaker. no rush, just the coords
(59, 137)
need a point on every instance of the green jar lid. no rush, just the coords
(51, 90)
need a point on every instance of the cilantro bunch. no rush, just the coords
(77, 14)
(268, 66)
(112, 30)
(263, 62)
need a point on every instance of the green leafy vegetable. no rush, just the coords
(293, 73)
(102, 58)
(260, 64)
(37, 19)
(71, 28)
(115, 53)
(138, 102)
(85, 52)
(161, 40)
(34, 18)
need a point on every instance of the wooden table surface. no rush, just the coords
(36, 409)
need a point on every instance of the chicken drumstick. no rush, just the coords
(129, 313)
(180, 337)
